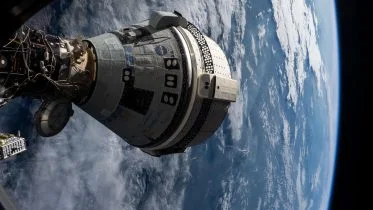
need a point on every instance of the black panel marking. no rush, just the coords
(169, 98)
(136, 99)
(127, 76)
(171, 63)
(170, 81)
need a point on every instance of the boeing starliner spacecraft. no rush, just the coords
(161, 85)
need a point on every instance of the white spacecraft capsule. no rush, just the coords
(161, 85)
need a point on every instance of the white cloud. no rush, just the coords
(253, 49)
(221, 136)
(259, 204)
(251, 75)
(271, 130)
(298, 39)
(236, 113)
(302, 200)
(287, 182)
(261, 35)
(274, 97)
(286, 131)
(227, 186)
(238, 109)
(315, 182)
(241, 189)
(269, 174)
(310, 204)
(260, 15)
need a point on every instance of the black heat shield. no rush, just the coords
(13, 14)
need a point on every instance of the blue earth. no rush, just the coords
(275, 149)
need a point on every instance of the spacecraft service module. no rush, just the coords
(160, 84)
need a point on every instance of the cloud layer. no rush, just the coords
(296, 31)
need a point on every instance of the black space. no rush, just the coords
(346, 192)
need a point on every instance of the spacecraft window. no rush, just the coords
(170, 80)
(169, 98)
(171, 63)
(138, 100)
